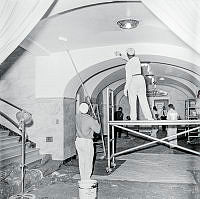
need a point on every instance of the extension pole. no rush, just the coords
(82, 84)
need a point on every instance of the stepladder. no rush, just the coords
(99, 143)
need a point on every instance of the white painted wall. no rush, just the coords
(17, 87)
(52, 74)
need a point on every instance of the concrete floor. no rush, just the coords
(149, 173)
(123, 190)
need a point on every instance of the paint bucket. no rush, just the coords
(23, 196)
(87, 189)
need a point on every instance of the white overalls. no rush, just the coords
(197, 106)
(172, 130)
(85, 126)
(85, 150)
(136, 86)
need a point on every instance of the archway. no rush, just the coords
(110, 71)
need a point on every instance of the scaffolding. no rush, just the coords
(125, 124)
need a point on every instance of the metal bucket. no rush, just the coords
(87, 189)
(23, 196)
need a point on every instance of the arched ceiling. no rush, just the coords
(168, 68)
(93, 23)
(181, 87)
(120, 75)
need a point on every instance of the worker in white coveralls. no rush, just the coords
(197, 105)
(86, 125)
(135, 85)
(172, 129)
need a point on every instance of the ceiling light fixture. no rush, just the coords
(149, 76)
(128, 23)
(161, 78)
(144, 64)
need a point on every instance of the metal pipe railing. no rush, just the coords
(108, 127)
(11, 104)
(9, 119)
(156, 141)
(113, 124)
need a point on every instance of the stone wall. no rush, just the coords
(69, 127)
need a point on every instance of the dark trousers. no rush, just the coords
(163, 118)
(118, 132)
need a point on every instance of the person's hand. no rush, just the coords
(126, 92)
(117, 53)
(95, 117)
(87, 99)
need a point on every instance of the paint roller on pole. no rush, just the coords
(93, 112)
(82, 84)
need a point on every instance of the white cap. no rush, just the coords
(130, 51)
(83, 108)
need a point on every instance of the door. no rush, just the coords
(160, 104)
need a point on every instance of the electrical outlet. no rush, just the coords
(49, 139)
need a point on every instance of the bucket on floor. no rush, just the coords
(23, 196)
(87, 189)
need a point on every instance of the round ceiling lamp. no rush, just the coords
(161, 78)
(128, 23)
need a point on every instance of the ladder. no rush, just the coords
(96, 111)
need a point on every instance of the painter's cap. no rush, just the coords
(130, 51)
(83, 108)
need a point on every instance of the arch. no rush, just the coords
(160, 61)
(120, 74)
(170, 83)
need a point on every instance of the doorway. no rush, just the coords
(160, 103)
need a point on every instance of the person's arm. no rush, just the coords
(154, 115)
(118, 54)
(95, 126)
(126, 90)
(157, 116)
(128, 77)
(168, 116)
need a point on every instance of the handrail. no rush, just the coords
(9, 119)
(11, 104)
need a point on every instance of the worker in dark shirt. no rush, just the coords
(119, 115)
(86, 125)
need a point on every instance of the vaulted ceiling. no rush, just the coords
(96, 25)
(92, 24)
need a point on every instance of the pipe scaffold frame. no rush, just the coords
(125, 124)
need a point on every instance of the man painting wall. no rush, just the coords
(135, 86)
